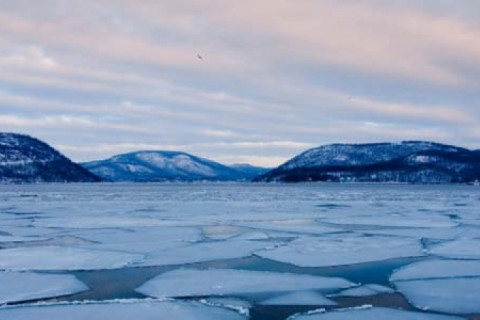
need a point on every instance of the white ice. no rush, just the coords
(102, 221)
(229, 303)
(450, 286)
(23, 286)
(456, 295)
(365, 290)
(62, 258)
(204, 251)
(149, 310)
(342, 250)
(375, 314)
(241, 306)
(394, 220)
(433, 269)
(139, 240)
(459, 249)
(180, 283)
(301, 298)
(436, 233)
(306, 226)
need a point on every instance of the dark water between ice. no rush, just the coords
(121, 283)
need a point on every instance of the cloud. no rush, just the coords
(219, 133)
(104, 77)
(64, 121)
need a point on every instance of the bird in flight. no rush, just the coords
(199, 56)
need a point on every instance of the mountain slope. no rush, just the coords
(410, 161)
(25, 159)
(151, 166)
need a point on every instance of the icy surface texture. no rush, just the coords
(438, 269)
(457, 296)
(459, 249)
(19, 286)
(127, 310)
(449, 286)
(375, 314)
(106, 226)
(342, 250)
(181, 283)
(209, 251)
(366, 290)
(62, 258)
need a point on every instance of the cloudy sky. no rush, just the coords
(95, 78)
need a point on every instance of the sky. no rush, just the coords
(238, 81)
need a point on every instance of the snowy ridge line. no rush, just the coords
(323, 310)
(241, 310)
(459, 273)
(436, 278)
(308, 313)
(85, 302)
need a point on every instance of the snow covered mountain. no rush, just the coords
(409, 161)
(25, 159)
(152, 166)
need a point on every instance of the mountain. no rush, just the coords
(24, 159)
(154, 166)
(408, 161)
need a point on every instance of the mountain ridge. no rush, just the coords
(158, 165)
(407, 161)
(25, 159)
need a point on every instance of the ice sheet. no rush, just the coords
(62, 258)
(456, 295)
(459, 249)
(395, 220)
(150, 310)
(375, 314)
(365, 290)
(307, 226)
(102, 221)
(23, 286)
(180, 283)
(301, 298)
(437, 233)
(140, 240)
(342, 250)
(221, 232)
(437, 269)
(204, 251)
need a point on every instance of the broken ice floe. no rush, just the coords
(302, 226)
(450, 286)
(186, 282)
(121, 310)
(62, 258)
(139, 240)
(24, 286)
(374, 314)
(455, 295)
(204, 251)
(342, 250)
(394, 220)
(432, 269)
(458, 249)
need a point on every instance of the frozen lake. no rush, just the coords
(239, 251)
